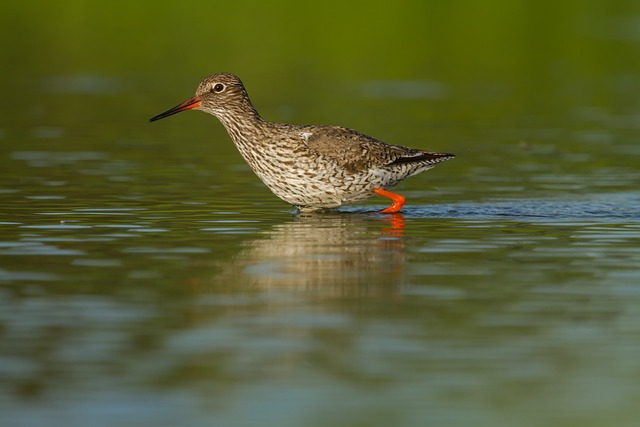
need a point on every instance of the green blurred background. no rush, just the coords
(492, 53)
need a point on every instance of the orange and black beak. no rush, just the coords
(189, 104)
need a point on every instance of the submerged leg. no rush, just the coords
(398, 200)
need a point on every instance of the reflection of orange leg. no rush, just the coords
(396, 220)
(398, 200)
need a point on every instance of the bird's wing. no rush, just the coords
(358, 152)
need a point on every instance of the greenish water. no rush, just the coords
(148, 278)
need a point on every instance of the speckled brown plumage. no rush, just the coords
(311, 167)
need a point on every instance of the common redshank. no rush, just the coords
(311, 167)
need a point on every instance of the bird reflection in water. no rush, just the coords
(336, 252)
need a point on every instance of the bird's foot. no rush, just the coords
(398, 200)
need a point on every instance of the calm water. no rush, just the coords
(147, 278)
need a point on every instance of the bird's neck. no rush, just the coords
(242, 124)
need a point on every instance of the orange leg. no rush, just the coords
(398, 200)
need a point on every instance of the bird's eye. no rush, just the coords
(219, 87)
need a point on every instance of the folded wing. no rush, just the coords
(357, 152)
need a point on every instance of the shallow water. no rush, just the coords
(148, 278)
